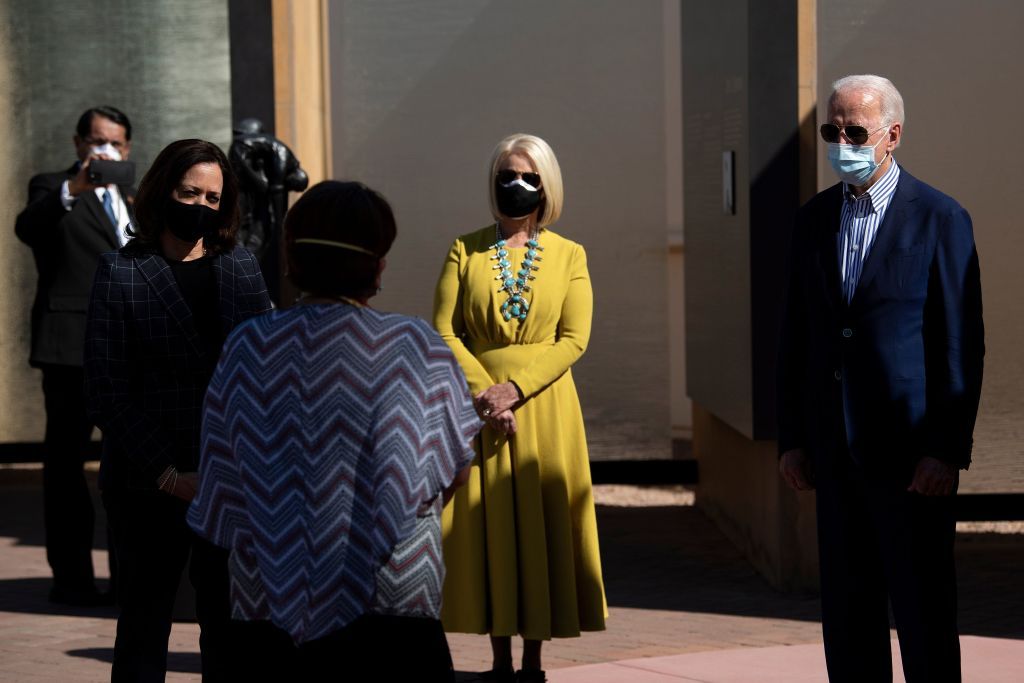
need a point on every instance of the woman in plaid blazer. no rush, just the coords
(161, 308)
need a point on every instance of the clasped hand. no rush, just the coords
(932, 477)
(185, 486)
(495, 405)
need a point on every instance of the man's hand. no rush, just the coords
(796, 468)
(496, 399)
(933, 477)
(81, 183)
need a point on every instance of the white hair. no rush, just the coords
(889, 97)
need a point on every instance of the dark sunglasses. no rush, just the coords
(508, 175)
(858, 135)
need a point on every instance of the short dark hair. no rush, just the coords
(163, 178)
(338, 211)
(106, 111)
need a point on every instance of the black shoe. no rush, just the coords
(498, 675)
(530, 676)
(81, 598)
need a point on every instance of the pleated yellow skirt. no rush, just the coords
(520, 539)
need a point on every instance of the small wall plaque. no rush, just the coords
(728, 183)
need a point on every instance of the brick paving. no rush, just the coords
(675, 586)
(997, 466)
(985, 660)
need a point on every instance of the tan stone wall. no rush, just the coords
(164, 63)
(20, 397)
(610, 106)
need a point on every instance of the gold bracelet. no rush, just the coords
(168, 474)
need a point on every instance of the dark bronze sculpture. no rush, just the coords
(267, 171)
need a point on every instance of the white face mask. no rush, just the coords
(106, 149)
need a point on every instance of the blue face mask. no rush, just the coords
(854, 164)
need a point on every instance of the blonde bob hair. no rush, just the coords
(544, 162)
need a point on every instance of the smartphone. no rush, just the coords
(107, 172)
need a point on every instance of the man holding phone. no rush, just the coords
(72, 217)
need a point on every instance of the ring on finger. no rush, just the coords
(487, 412)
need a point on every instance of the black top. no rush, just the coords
(198, 285)
(145, 381)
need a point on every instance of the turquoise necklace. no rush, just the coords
(516, 305)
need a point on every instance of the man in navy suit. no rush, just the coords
(879, 380)
(68, 222)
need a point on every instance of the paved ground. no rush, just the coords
(998, 466)
(684, 604)
(986, 660)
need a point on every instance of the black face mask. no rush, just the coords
(189, 222)
(516, 200)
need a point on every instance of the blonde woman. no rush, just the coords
(514, 303)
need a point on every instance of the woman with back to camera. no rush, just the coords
(331, 435)
(514, 303)
(160, 310)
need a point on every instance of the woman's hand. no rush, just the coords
(460, 480)
(504, 422)
(497, 399)
(797, 469)
(185, 486)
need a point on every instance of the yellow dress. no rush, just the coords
(520, 539)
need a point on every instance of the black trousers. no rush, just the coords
(881, 545)
(153, 544)
(373, 648)
(68, 515)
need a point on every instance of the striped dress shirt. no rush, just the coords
(858, 226)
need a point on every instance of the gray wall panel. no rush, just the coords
(421, 93)
(740, 95)
(718, 298)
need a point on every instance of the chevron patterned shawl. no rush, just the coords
(326, 429)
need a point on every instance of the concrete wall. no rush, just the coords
(421, 93)
(740, 490)
(164, 63)
(958, 66)
(741, 91)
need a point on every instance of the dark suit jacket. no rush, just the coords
(897, 372)
(145, 366)
(66, 246)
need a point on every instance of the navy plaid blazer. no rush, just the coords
(145, 366)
